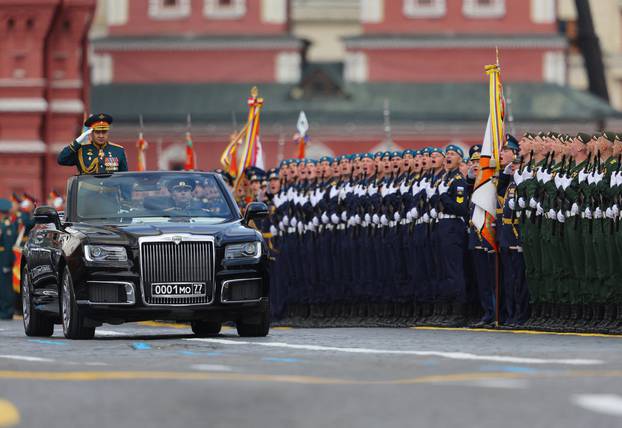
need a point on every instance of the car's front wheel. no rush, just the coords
(256, 326)
(205, 328)
(73, 321)
(35, 323)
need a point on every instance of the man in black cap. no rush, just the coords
(94, 155)
(184, 203)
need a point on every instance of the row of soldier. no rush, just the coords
(388, 235)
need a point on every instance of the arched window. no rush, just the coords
(169, 9)
(224, 9)
(425, 8)
(483, 8)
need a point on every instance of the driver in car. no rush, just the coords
(181, 191)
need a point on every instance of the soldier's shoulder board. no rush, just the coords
(115, 145)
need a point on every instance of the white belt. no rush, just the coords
(442, 216)
(329, 227)
(391, 224)
(291, 229)
(341, 227)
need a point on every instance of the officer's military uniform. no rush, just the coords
(92, 158)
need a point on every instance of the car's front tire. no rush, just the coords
(73, 321)
(35, 323)
(205, 328)
(257, 326)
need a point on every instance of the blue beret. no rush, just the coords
(311, 161)
(5, 205)
(408, 152)
(326, 159)
(436, 150)
(426, 150)
(396, 154)
(456, 149)
(367, 156)
(273, 174)
(417, 152)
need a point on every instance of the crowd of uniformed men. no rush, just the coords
(387, 236)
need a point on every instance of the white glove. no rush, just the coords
(582, 175)
(533, 203)
(619, 178)
(430, 190)
(558, 181)
(344, 216)
(414, 212)
(608, 213)
(281, 226)
(560, 217)
(301, 227)
(615, 211)
(357, 219)
(546, 177)
(527, 173)
(397, 216)
(588, 213)
(574, 209)
(511, 204)
(539, 209)
(591, 177)
(315, 221)
(84, 136)
(273, 230)
(286, 220)
(566, 182)
(416, 188)
(518, 177)
(294, 221)
(384, 220)
(334, 219)
(310, 227)
(442, 188)
(325, 218)
(403, 188)
(367, 218)
(375, 219)
(598, 213)
(521, 202)
(409, 216)
(433, 213)
(426, 218)
(552, 214)
(598, 177)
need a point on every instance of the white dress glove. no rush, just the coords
(574, 209)
(84, 136)
(511, 204)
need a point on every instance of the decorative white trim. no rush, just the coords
(66, 106)
(356, 67)
(102, 70)
(197, 45)
(17, 146)
(18, 105)
(455, 42)
(158, 11)
(214, 10)
(274, 11)
(117, 12)
(474, 9)
(415, 9)
(30, 83)
(287, 67)
(543, 11)
(66, 84)
(554, 67)
(372, 11)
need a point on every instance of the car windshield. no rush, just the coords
(151, 197)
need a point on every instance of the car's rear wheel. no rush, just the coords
(256, 326)
(35, 323)
(73, 321)
(206, 328)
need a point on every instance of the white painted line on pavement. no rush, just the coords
(212, 368)
(608, 404)
(27, 358)
(108, 333)
(448, 355)
(500, 383)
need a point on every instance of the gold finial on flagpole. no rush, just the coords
(254, 92)
(497, 54)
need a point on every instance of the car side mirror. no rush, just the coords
(255, 211)
(45, 215)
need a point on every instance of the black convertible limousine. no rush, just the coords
(139, 246)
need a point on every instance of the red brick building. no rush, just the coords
(165, 59)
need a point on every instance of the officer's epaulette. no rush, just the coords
(458, 177)
(116, 145)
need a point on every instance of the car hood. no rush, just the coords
(128, 234)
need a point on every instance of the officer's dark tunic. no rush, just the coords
(91, 158)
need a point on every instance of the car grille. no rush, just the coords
(170, 262)
(241, 290)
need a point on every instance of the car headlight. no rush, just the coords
(104, 253)
(247, 250)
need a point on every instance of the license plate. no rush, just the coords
(178, 289)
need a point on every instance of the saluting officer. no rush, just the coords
(94, 154)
